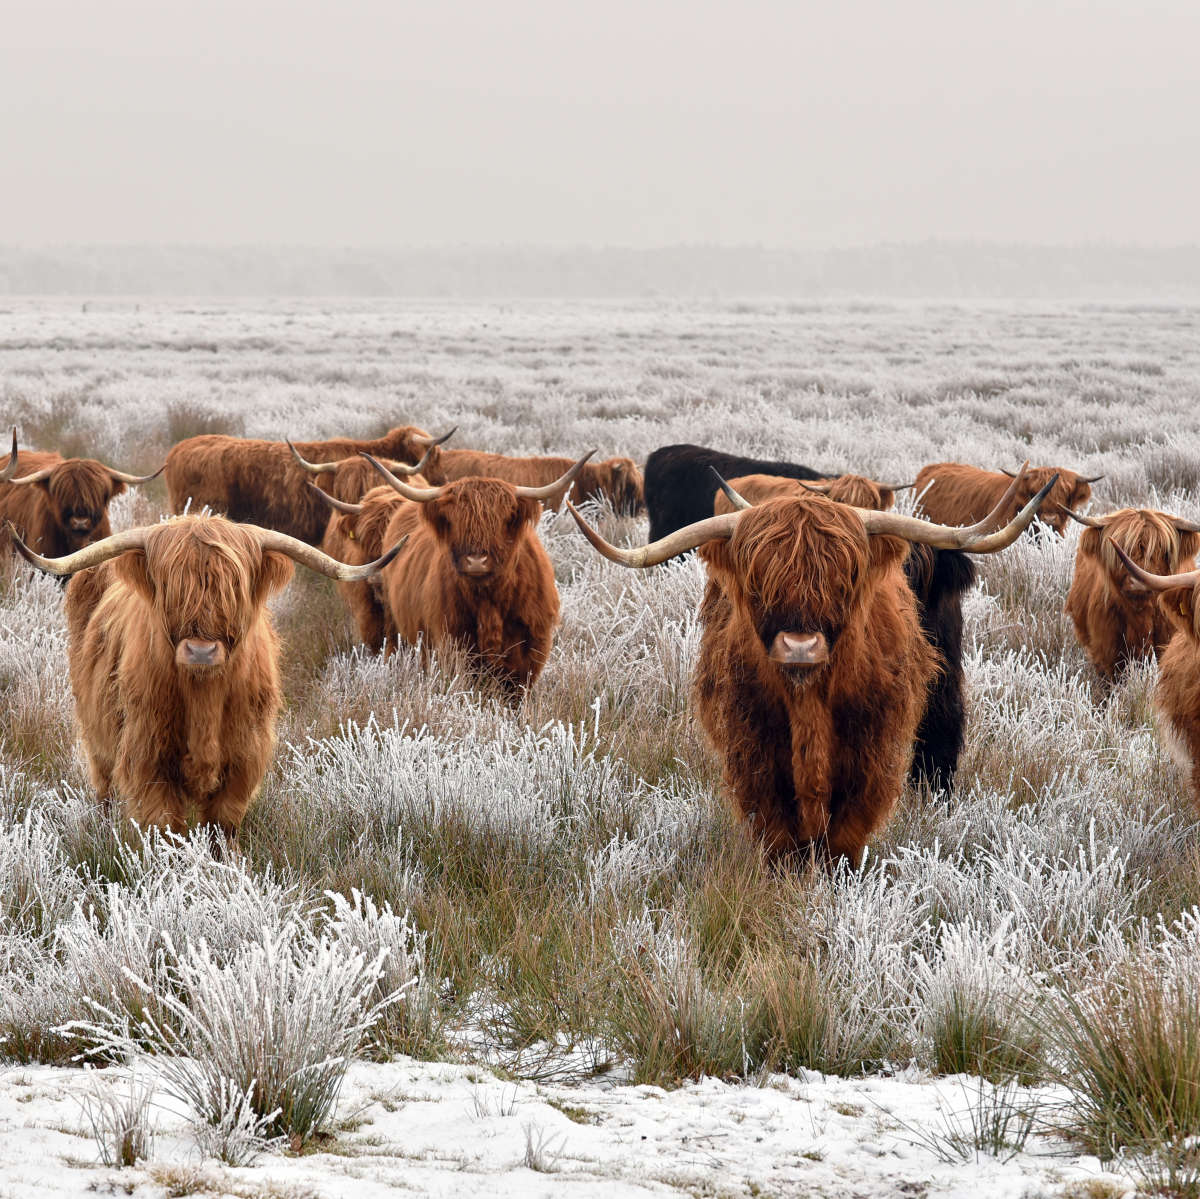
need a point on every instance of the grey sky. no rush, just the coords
(621, 122)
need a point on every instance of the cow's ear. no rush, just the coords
(1179, 606)
(715, 554)
(1080, 494)
(528, 512)
(434, 514)
(273, 575)
(886, 550)
(1189, 545)
(1090, 542)
(133, 569)
(117, 488)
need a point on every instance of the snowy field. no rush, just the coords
(549, 956)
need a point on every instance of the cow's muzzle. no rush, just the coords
(81, 524)
(799, 649)
(190, 652)
(476, 565)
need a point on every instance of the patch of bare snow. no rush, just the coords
(440, 1129)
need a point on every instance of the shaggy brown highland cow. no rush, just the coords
(356, 534)
(59, 504)
(813, 670)
(617, 480)
(855, 490)
(475, 573)
(1115, 615)
(173, 662)
(260, 482)
(953, 494)
(1177, 694)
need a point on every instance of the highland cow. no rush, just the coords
(1115, 615)
(953, 494)
(475, 574)
(356, 534)
(173, 662)
(59, 504)
(938, 579)
(813, 671)
(259, 482)
(680, 487)
(1177, 694)
(616, 480)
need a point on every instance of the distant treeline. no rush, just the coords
(925, 269)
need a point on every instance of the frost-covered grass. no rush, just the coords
(557, 889)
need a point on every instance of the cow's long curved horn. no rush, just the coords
(36, 477)
(421, 494)
(421, 439)
(1091, 479)
(894, 486)
(739, 502)
(1185, 526)
(334, 502)
(688, 538)
(812, 485)
(314, 468)
(824, 488)
(995, 518)
(1153, 581)
(91, 555)
(10, 467)
(1091, 522)
(975, 539)
(556, 490)
(322, 563)
(135, 480)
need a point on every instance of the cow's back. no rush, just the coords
(680, 488)
(952, 493)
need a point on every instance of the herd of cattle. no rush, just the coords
(831, 655)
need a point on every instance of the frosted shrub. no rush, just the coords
(978, 1003)
(271, 1029)
(406, 1021)
(120, 1120)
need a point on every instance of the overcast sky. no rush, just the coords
(631, 122)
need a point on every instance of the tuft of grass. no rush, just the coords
(1129, 1048)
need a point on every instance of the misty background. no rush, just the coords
(940, 147)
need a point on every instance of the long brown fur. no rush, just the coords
(617, 480)
(506, 620)
(951, 493)
(260, 482)
(846, 489)
(1177, 695)
(358, 537)
(1116, 619)
(814, 760)
(79, 488)
(166, 739)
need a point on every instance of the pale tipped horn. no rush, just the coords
(739, 502)
(559, 488)
(135, 480)
(421, 439)
(322, 563)
(313, 468)
(334, 502)
(1185, 526)
(90, 555)
(981, 538)
(679, 542)
(1091, 479)
(10, 467)
(1153, 581)
(421, 494)
(1090, 522)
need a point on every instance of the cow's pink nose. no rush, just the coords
(799, 649)
(80, 524)
(476, 564)
(190, 652)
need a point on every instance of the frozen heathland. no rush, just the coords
(511, 950)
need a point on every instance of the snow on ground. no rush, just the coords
(451, 1130)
